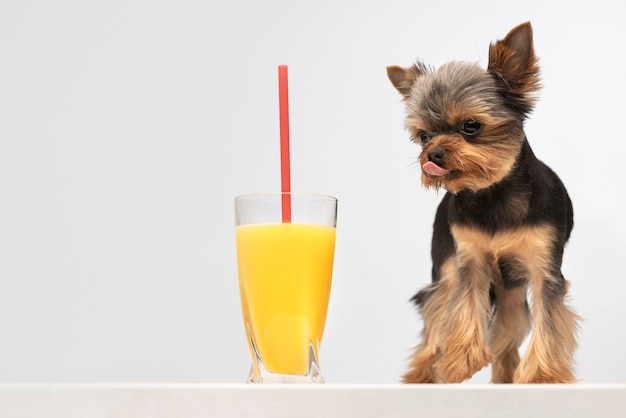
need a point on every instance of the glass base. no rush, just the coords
(263, 376)
(259, 374)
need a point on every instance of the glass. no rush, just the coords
(285, 274)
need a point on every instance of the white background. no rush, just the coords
(127, 127)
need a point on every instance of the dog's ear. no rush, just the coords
(403, 78)
(512, 60)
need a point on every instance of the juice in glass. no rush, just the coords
(285, 273)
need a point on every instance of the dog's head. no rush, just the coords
(469, 121)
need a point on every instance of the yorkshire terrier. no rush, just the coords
(501, 228)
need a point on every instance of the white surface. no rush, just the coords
(277, 401)
(127, 127)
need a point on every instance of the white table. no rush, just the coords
(301, 401)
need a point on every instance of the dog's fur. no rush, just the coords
(500, 230)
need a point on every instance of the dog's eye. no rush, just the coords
(470, 127)
(423, 137)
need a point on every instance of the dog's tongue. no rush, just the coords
(434, 170)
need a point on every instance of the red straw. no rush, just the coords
(283, 103)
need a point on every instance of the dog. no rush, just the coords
(501, 228)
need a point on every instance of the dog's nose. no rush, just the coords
(436, 155)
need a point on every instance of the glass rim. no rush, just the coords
(277, 194)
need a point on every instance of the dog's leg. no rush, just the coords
(549, 358)
(464, 346)
(508, 330)
(434, 301)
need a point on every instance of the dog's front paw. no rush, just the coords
(459, 363)
(530, 371)
(421, 370)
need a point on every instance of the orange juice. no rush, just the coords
(285, 274)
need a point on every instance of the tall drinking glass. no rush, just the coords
(285, 272)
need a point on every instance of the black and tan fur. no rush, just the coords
(500, 230)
